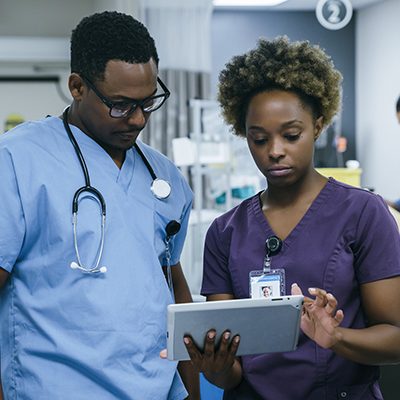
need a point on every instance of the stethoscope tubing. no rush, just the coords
(160, 188)
(75, 203)
(146, 162)
(100, 249)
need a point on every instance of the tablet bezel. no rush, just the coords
(265, 325)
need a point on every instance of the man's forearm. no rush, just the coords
(190, 377)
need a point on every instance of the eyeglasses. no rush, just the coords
(122, 109)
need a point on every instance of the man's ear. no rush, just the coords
(318, 127)
(76, 86)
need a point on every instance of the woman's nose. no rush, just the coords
(276, 149)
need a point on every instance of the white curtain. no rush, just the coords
(131, 7)
(182, 31)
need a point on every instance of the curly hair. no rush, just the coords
(106, 36)
(298, 67)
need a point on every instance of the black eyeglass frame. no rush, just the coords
(134, 104)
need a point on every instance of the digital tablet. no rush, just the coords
(265, 325)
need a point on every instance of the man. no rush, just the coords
(95, 330)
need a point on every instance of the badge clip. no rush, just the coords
(273, 246)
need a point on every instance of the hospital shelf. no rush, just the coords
(209, 158)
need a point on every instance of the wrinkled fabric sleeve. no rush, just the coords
(216, 274)
(179, 240)
(12, 222)
(377, 245)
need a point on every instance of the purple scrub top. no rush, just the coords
(346, 238)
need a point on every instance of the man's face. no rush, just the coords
(123, 82)
(398, 116)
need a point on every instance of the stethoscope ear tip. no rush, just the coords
(75, 265)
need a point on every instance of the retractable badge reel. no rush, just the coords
(268, 282)
(171, 230)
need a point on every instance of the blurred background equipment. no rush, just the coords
(13, 120)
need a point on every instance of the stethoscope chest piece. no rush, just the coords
(160, 188)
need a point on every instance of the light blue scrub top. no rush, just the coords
(70, 335)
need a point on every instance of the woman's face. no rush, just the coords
(280, 132)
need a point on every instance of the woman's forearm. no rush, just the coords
(376, 345)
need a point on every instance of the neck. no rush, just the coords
(118, 156)
(304, 189)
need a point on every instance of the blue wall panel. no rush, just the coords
(237, 31)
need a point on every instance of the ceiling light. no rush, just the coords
(247, 3)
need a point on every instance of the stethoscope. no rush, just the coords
(160, 188)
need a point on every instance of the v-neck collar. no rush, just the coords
(98, 156)
(321, 198)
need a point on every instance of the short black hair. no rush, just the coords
(398, 105)
(109, 35)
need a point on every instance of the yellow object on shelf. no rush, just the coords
(351, 176)
(12, 121)
(396, 215)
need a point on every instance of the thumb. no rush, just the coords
(163, 354)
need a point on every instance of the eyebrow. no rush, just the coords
(284, 125)
(294, 121)
(122, 99)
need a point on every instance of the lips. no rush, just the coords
(279, 170)
(133, 131)
(127, 135)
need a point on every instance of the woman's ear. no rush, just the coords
(76, 86)
(318, 127)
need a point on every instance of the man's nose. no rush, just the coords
(137, 118)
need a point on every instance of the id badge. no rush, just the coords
(267, 284)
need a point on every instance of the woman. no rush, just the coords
(338, 242)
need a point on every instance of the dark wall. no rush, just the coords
(235, 32)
